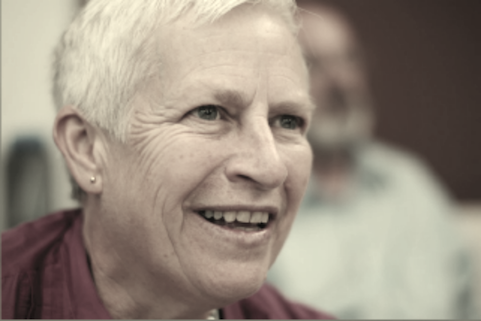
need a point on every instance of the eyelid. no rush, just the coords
(220, 110)
(301, 122)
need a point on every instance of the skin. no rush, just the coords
(152, 255)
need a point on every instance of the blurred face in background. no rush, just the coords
(343, 118)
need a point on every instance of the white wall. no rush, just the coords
(30, 29)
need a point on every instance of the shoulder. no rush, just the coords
(25, 246)
(389, 156)
(386, 155)
(403, 168)
(268, 303)
(27, 252)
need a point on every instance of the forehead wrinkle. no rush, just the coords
(205, 91)
(195, 62)
(213, 39)
(196, 69)
(207, 44)
(292, 97)
(294, 82)
(212, 52)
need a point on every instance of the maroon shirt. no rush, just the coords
(45, 274)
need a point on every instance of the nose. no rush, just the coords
(256, 158)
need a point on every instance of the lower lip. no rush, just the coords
(239, 237)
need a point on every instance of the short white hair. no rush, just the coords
(107, 53)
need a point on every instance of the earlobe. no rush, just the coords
(77, 141)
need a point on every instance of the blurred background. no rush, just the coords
(424, 66)
(33, 176)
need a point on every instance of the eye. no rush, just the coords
(207, 112)
(290, 122)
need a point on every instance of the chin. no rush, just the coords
(231, 287)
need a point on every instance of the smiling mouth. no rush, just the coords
(237, 220)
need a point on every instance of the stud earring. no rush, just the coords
(92, 179)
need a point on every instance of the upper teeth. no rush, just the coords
(240, 216)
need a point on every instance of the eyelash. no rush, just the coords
(299, 122)
(218, 110)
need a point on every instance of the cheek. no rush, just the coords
(154, 184)
(299, 162)
(173, 170)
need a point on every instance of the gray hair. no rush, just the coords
(106, 54)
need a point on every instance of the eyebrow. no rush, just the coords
(234, 98)
(290, 106)
(231, 98)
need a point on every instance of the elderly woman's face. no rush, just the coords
(203, 195)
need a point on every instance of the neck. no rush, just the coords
(124, 301)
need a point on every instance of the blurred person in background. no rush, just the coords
(374, 236)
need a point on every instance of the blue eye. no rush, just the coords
(208, 112)
(289, 122)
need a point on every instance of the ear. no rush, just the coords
(77, 140)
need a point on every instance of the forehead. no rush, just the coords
(247, 39)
